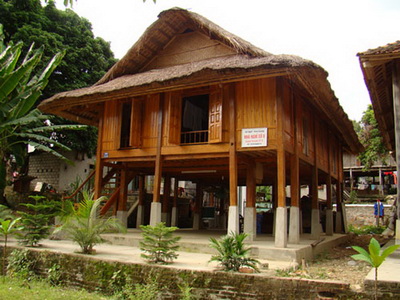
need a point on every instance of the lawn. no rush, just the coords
(13, 288)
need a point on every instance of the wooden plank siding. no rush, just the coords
(256, 107)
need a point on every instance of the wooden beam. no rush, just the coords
(396, 112)
(123, 195)
(167, 192)
(141, 190)
(98, 181)
(294, 160)
(232, 152)
(281, 165)
(159, 161)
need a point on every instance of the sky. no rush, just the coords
(330, 33)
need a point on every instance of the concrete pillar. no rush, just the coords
(233, 219)
(397, 236)
(250, 225)
(294, 225)
(329, 222)
(281, 227)
(140, 216)
(155, 213)
(122, 215)
(174, 216)
(339, 225)
(315, 224)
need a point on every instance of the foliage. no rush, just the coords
(36, 222)
(7, 227)
(86, 58)
(5, 212)
(16, 288)
(20, 123)
(141, 291)
(368, 229)
(54, 275)
(158, 243)
(85, 224)
(375, 257)
(371, 138)
(21, 264)
(232, 253)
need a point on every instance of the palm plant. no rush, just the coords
(374, 257)
(85, 225)
(232, 253)
(20, 123)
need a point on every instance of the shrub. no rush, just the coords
(232, 253)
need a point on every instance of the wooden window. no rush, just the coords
(131, 124)
(195, 117)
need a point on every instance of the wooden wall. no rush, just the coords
(255, 107)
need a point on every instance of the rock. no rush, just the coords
(351, 263)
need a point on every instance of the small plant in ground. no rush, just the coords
(186, 291)
(85, 225)
(232, 253)
(375, 257)
(21, 264)
(54, 275)
(8, 227)
(368, 229)
(36, 222)
(158, 243)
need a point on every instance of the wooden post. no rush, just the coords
(174, 212)
(197, 208)
(122, 213)
(281, 211)
(165, 217)
(250, 225)
(140, 210)
(98, 178)
(396, 112)
(294, 221)
(155, 214)
(315, 218)
(233, 215)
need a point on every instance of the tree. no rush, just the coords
(86, 58)
(20, 123)
(371, 138)
(374, 257)
(36, 221)
(84, 224)
(158, 243)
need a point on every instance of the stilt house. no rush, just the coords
(193, 102)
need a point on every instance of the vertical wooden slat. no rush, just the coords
(215, 115)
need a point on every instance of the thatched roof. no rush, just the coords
(377, 65)
(129, 77)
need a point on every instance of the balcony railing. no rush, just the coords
(194, 137)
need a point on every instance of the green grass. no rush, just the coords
(13, 288)
(368, 229)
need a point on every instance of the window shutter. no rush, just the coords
(136, 123)
(174, 109)
(215, 115)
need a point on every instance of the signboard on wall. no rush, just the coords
(254, 137)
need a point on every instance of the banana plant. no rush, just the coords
(375, 257)
(20, 122)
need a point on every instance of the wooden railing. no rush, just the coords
(75, 195)
(194, 137)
